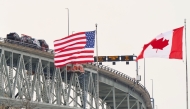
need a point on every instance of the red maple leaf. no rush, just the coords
(159, 44)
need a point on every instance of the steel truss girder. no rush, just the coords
(114, 95)
(31, 80)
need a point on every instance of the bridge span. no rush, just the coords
(28, 79)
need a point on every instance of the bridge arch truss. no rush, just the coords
(28, 79)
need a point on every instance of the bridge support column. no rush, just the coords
(141, 107)
(75, 92)
(138, 105)
(66, 86)
(1, 76)
(97, 91)
(91, 90)
(11, 71)
(114, 104)
(128, 102)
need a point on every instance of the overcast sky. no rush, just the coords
(124, 26)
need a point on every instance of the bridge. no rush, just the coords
(28, 79)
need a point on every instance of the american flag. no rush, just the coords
(75, 48)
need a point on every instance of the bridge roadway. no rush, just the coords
(116, 90)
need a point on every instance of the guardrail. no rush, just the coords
(5, 40)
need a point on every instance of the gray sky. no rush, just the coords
(124, 26)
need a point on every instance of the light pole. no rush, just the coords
(152, 87)
(156, 106)
(68, 19)
(152, 93)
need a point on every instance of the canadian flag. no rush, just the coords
(166, 45)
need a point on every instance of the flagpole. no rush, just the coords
(66, 65)
(97, 90)
(186, 64)
(144, 72)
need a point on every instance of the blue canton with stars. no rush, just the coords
(90, 39)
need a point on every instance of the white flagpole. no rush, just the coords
(186, 64)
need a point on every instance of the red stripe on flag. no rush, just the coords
(177, 43)
(70, 36)
(69, 41)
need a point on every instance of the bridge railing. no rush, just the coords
(34, 46)
(120, 74)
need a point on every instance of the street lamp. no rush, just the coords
(152, 93)
(152, 87)
(68, 19)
